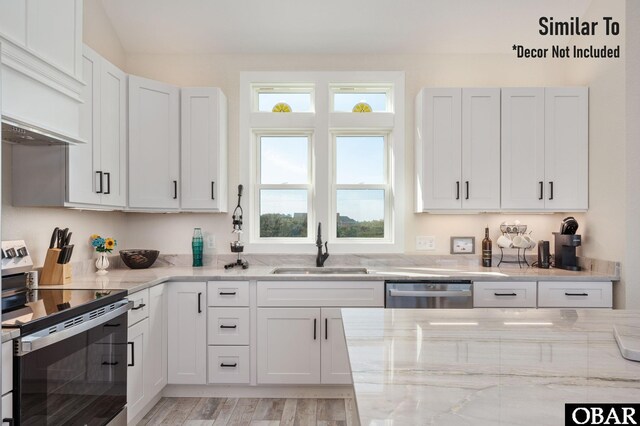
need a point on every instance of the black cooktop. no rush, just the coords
(33, 310)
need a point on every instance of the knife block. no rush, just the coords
(54, 273)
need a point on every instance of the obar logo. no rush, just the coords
(601, 414)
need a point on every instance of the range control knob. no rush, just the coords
(22, 252)
(10, 253)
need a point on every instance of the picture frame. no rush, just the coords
(463, 245)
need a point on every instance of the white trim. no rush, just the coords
(322, 123)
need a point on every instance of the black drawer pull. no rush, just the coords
(199, 303)
(228, 326)
(551, 190)
(175, 189)
(140, 306)
(213, 192)
(576, 294)
(315, 323)
(541, 190)
(110, 363)
(229, 365)
(457, 190)
(504, 294)
(9, 420)
(133, 354)
(326, 329)
(108, 176)
(112, 325)
(227, 293)
(99, 191)
(467, 185)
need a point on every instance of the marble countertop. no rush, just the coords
(9, 334)
(486, 366)
(135, 280)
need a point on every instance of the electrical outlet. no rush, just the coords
(426, 243)
(211, 241)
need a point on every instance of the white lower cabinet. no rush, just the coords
(302, 346)
(137, 392)
(228, 326)
(490, 294)
(229, 364)
(156, 360)
(7, 407)
(187, 346)
(571, 294)
(334, 356)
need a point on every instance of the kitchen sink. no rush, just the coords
(319, 271)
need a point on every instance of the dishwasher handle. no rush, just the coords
(429, 293)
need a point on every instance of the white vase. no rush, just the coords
(102, 263)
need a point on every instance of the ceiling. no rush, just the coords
(334, 26)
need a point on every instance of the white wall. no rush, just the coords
(99, 34)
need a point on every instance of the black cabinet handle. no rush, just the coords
(576, 294)
(133, 354)
(112, 325)
(228, 326)
(229, 365)
(213, 193)
(467, 185)
(108, 176)
(140, 306)
(541, 190)
(9, 420)
(227, 293)
(457, 190)
(175, 189)
(551, 190)
(315, 328)
(504, 294)
(199, 303)
(99, 191)
(110, 363)
(326, 329)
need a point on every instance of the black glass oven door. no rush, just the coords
(80, 380)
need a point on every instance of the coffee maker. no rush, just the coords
(566, 242)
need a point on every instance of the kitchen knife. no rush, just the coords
(61, 255)
(54, 238)
(69, 253)
(68, 239)
(63, 237)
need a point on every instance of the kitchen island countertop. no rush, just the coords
(486, 366)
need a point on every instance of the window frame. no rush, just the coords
(322, 123)
(336, 88)
(257, 88)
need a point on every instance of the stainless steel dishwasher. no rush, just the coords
(429, 294)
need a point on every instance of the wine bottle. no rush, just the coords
(486, 249)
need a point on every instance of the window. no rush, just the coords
(328, 164)
(283, 186)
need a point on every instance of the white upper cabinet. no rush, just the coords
(567, 148)
(458, 149)
(154, 145)
(204, 149)
(545, 147)
(42, 64)
(97, 170)
(523, 148)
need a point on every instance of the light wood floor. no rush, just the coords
(253, 412)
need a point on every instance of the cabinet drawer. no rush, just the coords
(571, 294)
(7, 406)
(321, 293)
(228, 293)
(7, 367)
(228, 326)
(489, 294)
(228, 364)
(140, 309)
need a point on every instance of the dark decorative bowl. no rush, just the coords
(139, 259)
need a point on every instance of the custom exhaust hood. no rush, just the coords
(19, 132)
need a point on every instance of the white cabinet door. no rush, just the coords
(288, 346)
(113, 134)
(7, 407)
(438, 121)
(334, 358)
(137, 396)
(187, 363)
(523, 155)
(156, 362)
(567, 148)
(480, 149)
(154, 144)
(204, 149)
(83, 169)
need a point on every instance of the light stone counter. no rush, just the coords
(134, 280)
(9, 334)
(485, 367)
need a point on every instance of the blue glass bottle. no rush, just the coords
(196, 246)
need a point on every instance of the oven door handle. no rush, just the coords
(429, 293)
(33, 342)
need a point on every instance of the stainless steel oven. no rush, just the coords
(429, 294)
(73, 372)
